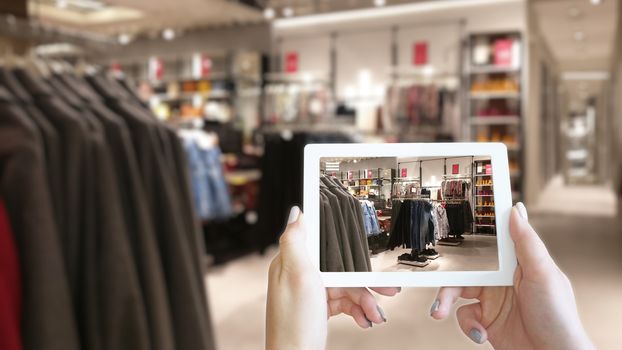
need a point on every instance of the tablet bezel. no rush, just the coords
(503, 206)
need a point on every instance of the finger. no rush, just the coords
(531, 252)
(363, 298)
(445, 299)
(387, 291)
(348, 307)
(469, 318)
(292, 243)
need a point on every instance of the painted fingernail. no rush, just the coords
(434, 307)
(293, 214)
(369, 322)
(381, 312)
(475, 335)
(522, 211)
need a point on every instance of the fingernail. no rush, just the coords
(434, 307)
(369, 322)
(293, 214)
(381, 312)
(522, 211)
(475, 335)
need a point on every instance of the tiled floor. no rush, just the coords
(476, 253)
(587, 247)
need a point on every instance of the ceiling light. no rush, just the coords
(579, 36)
(288, 11)
(61, 4)
(168, 34)
(269, 13)
(596, 2)
(379, 2)
(124, 39)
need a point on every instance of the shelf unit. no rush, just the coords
(484, 212)
(493, 87)
(353, 179)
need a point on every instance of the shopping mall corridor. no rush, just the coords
(588, 247)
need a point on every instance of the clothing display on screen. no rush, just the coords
(209, 189)
(460, 217)
(412, 224)
(98, 196)
(372, 227)
(343, 237)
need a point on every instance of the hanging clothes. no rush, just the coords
(460, 217)
(110, 248)
(10, 287)
(349, 224)
(209, 188)
(372, 227)
(412, 225)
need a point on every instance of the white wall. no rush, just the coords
(313, 53)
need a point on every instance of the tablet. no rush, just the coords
(409, 214)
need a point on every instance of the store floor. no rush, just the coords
(587, 248)
(475, 253)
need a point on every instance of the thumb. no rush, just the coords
(469, 317)
(531, 252)
(292, 244)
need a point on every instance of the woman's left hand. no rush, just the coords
(298, 304)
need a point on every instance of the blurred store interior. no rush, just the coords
(246, 84)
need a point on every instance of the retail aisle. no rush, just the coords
(588, 249)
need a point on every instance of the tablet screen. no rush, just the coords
(403, 214)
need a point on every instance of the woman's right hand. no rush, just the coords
(538, 312)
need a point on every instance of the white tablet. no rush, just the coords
(409, 214)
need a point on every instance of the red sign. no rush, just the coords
(206, 65)
(455, 169)
(420, 53)
(404, 172)
(291, 62)
(488, 169)
(116, 68)
(156, 68)
(503, 52)
(350, 175)
(370, 174)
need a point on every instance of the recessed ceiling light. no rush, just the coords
(269, 13)
(61, 4)
(288, 11)
(379, 3)
(124, 39)
(168, 34)
(579, 35)
(596, 2)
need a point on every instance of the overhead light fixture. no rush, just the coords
(61, 4)
(124, 39)
(168, 34)
(418, 7)
(579, 36)
(596, 2)
(379, 3)
(288, 11)
(269, 13)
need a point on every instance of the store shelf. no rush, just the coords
(242, 176)
(484, 206)
(492, 69)
(478, 175)
(485, 225)
(495, 120)
(495, 94)
(484, 195)
(484, 185)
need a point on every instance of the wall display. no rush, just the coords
(430, 228)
